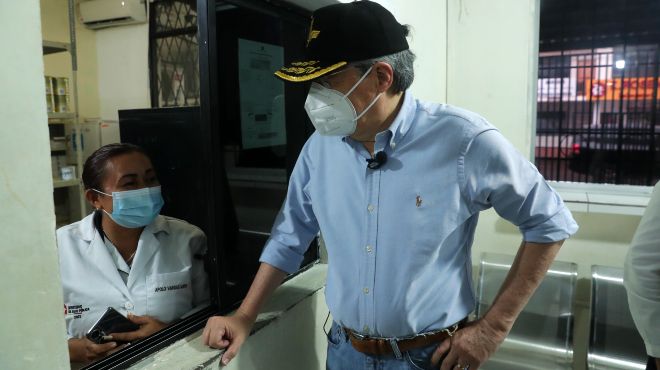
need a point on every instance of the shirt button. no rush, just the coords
(369, 249)
(371, 208)
(366, 290)
(128, 305)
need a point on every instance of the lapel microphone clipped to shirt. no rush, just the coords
(378, 160)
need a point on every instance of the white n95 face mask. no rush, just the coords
(331, 112)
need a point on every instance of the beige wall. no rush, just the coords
(123, 69)
(491, 59)
(55, 27)
(428, 40)
(32, 332)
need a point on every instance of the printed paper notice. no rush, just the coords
(261, 93)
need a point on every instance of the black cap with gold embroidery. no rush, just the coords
(343, 33)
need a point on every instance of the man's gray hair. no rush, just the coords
(402, 64)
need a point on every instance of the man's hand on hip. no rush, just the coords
(469, 347)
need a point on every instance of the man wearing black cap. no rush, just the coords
(395, 185)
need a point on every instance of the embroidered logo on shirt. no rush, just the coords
(74, 311)
(418, 201)
(170, 287)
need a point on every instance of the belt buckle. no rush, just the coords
(393, 342)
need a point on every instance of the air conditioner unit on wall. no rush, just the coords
(97, 14)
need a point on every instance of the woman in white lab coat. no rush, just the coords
(125, 255)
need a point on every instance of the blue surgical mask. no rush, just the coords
(135, 208)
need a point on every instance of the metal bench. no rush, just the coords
(614, 342)
(542, 336)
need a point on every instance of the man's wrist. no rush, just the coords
(499, 324)
(246, 315)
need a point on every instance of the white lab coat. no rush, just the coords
(166, 279)
(642, 275)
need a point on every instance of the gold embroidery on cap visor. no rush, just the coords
(312, 35)
(300, 73)
(312, 32)
(305, 64)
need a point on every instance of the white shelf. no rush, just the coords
(71, 203)
(52, 47)
(54, 115)
(58, 183)
(59, 146)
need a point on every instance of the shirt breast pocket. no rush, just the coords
(169, 295)
(432, 217)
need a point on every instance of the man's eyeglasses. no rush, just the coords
(325, 80)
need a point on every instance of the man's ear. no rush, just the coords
(385, 75)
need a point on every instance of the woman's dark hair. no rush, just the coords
(94, 168)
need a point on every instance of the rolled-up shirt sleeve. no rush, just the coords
(497, 175)
(642, 276)
(295, 225)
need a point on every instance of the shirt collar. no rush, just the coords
(87, 227)
(401, 124)
(403, 120)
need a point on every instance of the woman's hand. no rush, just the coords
(84, 350)
(148, 326)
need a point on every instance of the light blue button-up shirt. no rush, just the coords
(399, 237)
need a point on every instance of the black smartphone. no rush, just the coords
(110, 322)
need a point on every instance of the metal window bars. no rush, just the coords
(597, 94)
(174, 53)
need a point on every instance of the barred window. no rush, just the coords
(173, 53)
(597, 96)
